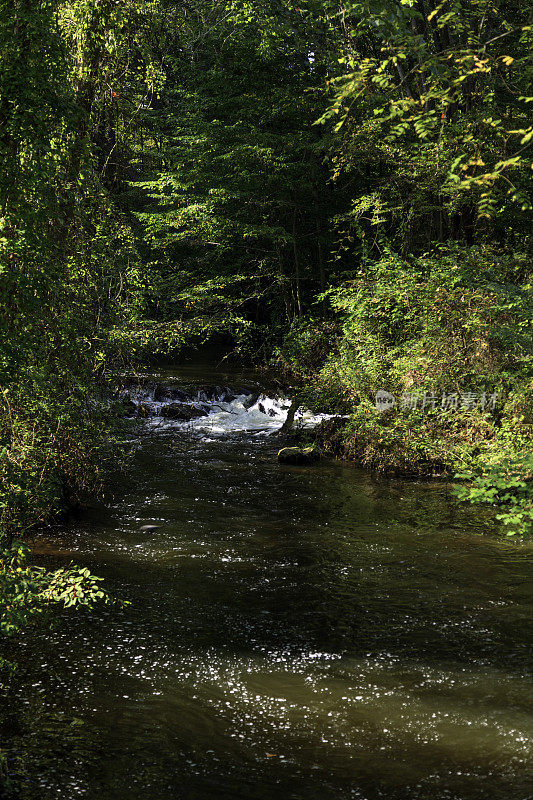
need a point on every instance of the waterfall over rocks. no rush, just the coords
(212, 409)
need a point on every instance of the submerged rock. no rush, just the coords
(228, 396)
(182, 412)
(298, 455)
(178, 394)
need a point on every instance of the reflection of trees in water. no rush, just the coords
(385, 566)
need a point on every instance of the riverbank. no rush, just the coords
(417, 411)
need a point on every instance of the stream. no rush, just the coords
(294, 633)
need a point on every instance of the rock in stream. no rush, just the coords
(298, 455)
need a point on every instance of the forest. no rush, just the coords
(337, 192)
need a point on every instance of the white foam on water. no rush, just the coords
(265, 416)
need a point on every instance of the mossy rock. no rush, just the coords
(298, 455)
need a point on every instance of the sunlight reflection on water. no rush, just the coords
(294, 632)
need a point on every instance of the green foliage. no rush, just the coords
(68, 269)
(434, 133)
(144, 339)
(29, 593)
(416, 444)
(306, 346)
(230, 188)
(506, 484)
(448, 82)
(59, 229)
(53, 450)
(502, 475)
(456, 319)
(452, 321)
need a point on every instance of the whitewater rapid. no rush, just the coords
(225, 412)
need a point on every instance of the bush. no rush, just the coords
(506, 484)
(418, 444)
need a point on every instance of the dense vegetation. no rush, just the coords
(342, 188)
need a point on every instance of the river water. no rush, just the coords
(293, 633)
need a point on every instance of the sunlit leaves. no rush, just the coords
(447, 70)
(507, 484)
(29, 593)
